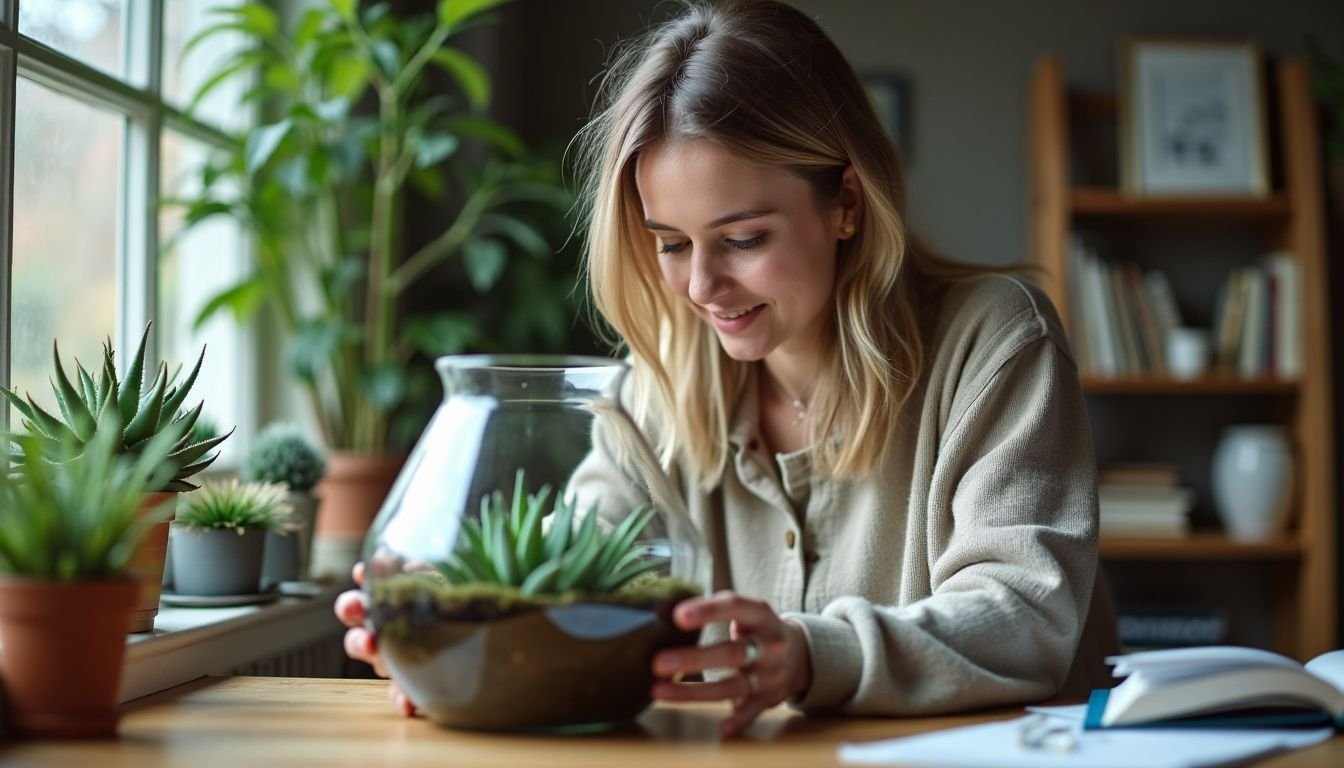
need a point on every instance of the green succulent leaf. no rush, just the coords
(129, 398)
(510, 545)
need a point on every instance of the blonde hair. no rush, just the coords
(763, 80)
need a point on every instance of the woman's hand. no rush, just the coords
(770, 653)
(360, 643)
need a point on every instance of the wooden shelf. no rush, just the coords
(1209, 385)
(1200, 546)
(1100, 201)
(1069, 127)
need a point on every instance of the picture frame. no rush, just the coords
(1192, 118)
(890, 95)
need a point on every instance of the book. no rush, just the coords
(1138, 473)
(1220, 686)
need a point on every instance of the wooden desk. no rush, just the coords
(268, 721)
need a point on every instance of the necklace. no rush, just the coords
(801, 408)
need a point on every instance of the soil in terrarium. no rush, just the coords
(485, 656)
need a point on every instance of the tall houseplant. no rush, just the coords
(70, 520)
(323, 186)
(145, 403)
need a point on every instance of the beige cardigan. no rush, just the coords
(959, 574)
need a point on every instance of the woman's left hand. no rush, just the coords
(770, 653)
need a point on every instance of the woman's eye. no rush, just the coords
(743, 245)
(671, 247)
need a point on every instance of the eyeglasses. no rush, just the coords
(1048, 733)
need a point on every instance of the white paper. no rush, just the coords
(996, 745)
(1075, 712)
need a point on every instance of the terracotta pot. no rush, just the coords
(147, 563)
(352, 492)
(63, 650)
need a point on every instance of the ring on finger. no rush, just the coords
(751, 652)
(753, 682)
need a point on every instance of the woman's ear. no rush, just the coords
(851, 204)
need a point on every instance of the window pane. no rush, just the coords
(66, 182)
(202, 262)
(182, 19)
(88, 30)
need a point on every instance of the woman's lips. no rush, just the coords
(736, 324)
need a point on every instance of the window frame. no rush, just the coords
(146, 116)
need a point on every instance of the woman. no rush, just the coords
(887, 452)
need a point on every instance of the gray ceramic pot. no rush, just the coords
(281, 559)
(217, 562)
(304, 515)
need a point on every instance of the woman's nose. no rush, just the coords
(706, 282)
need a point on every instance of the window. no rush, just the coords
(100, 135)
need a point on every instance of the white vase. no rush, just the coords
(1252, 480)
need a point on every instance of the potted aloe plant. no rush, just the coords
(283, 454)
(541, 617)
(71, 516)
(219, 537)
(146, 405)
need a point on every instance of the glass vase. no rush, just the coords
(523, 570)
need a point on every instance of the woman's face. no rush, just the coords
(748, 246)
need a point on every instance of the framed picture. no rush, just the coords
(890, 96)
(1192, 118)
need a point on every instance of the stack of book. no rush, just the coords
(1121, 317)
(1143, 500)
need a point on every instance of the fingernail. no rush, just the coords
(666, 665)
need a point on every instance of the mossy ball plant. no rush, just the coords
(544, 616)
(283, 454)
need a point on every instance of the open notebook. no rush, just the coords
(1220, 686)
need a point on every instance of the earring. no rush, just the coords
(848, 230)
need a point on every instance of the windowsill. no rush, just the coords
(189, 643)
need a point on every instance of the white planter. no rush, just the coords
(1252, 480)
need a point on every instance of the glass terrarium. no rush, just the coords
(523, 570)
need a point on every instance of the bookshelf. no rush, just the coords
(1301, 567)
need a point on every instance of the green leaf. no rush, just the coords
(263, 141)
(243, 300)
(489, 131)
(484, 259)
(279, 76)
(447, 333)
(471, 77)
(518, 507)
(542, 579)
(433, 147)
(388, 57)
(347, 77)
(177, 394)
(129, 398)
(385, 385)
(146, 421)
(257, 19)
(557, 539)
(345, 8)
(314, 343)
(77, 413)
(205, 34)
(305, 32)
(501, 551)
(520, 232)
(453, 12)
(246, 60)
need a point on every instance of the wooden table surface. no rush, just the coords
(269, 721)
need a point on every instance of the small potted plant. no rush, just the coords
(282, 454)
(70, 519)
(146, 407)
(220, 534)
(532, 599)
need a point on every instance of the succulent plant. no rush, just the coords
(510, 546)
(72, 512)
(141, 413)
(237, 506)
(282, 454)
